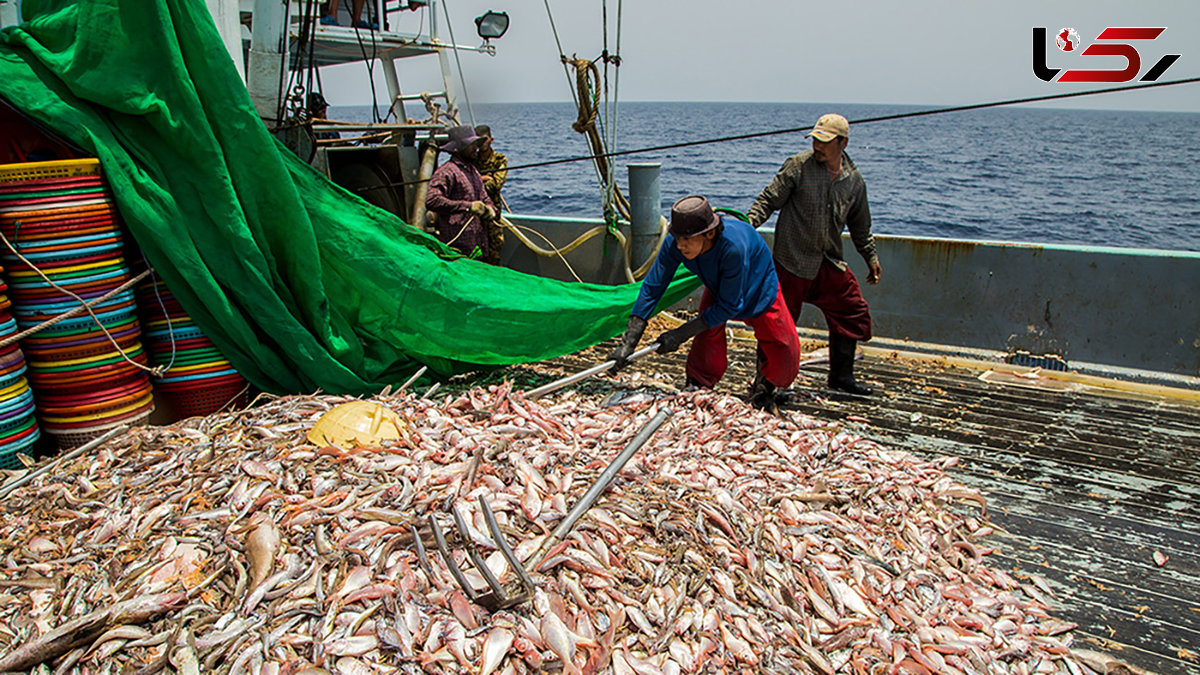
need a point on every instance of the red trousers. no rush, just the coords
(778, 346)
(836, 293)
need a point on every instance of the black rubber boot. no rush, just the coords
(841, 366)
(762, 395)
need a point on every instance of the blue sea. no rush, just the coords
(1083, 177)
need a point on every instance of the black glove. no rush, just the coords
(670, 340)
(633, 333)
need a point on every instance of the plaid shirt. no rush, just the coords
(452, 188)
(812, 212)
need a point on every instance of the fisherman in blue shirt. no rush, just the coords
(738, 273)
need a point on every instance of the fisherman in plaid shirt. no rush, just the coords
(457, 196)
(817, 194)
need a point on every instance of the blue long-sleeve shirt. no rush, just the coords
(737, 270)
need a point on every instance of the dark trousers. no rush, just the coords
(778, 344)
(836, 293)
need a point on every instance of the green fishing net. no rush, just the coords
(302, 285)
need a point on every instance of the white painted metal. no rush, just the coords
(268, 44)
(393, 86)
(10, 12)
(226, 15)
(443, 57)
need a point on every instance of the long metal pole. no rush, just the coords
(417, 218)
(95, 442)
(585, 502)
(584, 374)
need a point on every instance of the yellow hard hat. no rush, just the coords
(357, 423)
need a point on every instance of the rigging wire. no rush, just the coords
(397, 102)
(590, 122)
(284, 76)
(369, 60)
(561, 55)
(616, 78)
(865, 120)
(308, 27)
(609, 177)
(458, 61)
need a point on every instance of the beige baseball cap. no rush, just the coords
(829, 127)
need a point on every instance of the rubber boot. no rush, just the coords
(841, 366)
(762, 395)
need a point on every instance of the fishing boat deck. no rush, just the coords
(1087, 483)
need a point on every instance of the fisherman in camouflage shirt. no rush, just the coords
(493, 166)
(818, 193)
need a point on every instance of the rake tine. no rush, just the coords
(507, 552)
(445, 551)
(421, 555)
(480, 564)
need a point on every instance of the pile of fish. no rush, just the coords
(732, 542)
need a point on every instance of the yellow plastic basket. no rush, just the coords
(63, 168)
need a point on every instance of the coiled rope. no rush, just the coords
(631, 275)
(587, 101)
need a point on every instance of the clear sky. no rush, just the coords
(921, 52)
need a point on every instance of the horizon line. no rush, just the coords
(1061, 107)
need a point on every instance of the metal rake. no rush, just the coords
(496, 596)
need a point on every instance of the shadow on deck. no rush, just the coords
(1089, 485)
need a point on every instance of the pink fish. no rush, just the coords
(495, 648)
(560, 641)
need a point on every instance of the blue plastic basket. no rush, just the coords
(8, 452)
(9, 379)
(9, 406)
(60, 306)
(38, 282)
(18, 419)
(196, 378)
(87, 322)
(69, 254)
(62, 241)
(185, 333)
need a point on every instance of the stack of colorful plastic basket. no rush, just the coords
(87, 371)
(18, 426)
(198, 380)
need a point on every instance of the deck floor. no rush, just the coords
(1088, 485)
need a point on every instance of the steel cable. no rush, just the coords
(865, 120)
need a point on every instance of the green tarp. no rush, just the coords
(302, 285)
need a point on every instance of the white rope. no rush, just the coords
(631, 275)
(84, 305)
